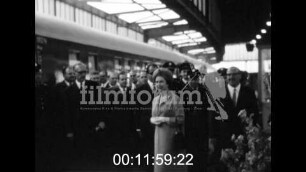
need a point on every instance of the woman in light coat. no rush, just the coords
(167, 114)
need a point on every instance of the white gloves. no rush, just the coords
(159, 120)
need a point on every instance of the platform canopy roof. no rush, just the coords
(151, 15)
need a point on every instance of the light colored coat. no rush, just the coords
(166, 106)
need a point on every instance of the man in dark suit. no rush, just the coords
(60, 139)
(103, 78)
(42, 113)
(150, 69)
(84, 117)
(143, 113)
(182, 80)
(122, 121)
(59, 119)
(239, 101)
(197, 128)
(112, 80)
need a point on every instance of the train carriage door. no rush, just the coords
(118, 63)
(73, 57)
(92, 65)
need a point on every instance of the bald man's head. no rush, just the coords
(133, 76)
(80, 71)
(233, 76)
(143, 77)
(113, 78)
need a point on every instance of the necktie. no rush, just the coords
(234, 97)
(81, 85)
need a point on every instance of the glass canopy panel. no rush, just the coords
(117, 1)
(148, 1)
(209, 52)
(203, 39)
(169, 15)
(153, 6)
(209, 49)
(182, 41)
(189, 31)
(196, 51)
(151, 23)
(160, 11)
(181, 22)
(154, 26)
(186, 45)
(195, 35)
(174, 38)
(153, 18)
(113, 8)
(178, 33)
(132, 17)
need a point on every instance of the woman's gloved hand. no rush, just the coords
(159, 120)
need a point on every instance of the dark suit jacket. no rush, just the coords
(83, 118)
(59, 118)
(121, 116)
(143, 113)
(246, 100)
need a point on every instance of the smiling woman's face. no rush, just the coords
(161, 83)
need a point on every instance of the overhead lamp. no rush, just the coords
(268, 23)
(263, 31)
(258, 36)
(253, 41)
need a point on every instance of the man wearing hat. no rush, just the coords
(169, 65)
(182, 81)
(197, 124)
(185, 70)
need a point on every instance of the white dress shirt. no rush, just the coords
(151, 85)
(185, 81)
(123, 90)
(231, 91)
(67, 83)
(79, 84)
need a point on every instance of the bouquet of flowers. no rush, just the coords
(253, 150)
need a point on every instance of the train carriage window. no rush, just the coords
(122, 31)
(45, 7)
(92, 62)
(58, 9)
(88, 19)
(40, 6)
(66, 11)
(139, 37)
(131, 34)
(36, 5)
(51, 7)
(62, 6)
(81, 17)
(73, 57)
(127, 63)
(84, 18)
(103, 24)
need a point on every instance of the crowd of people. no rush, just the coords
(70, 133)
